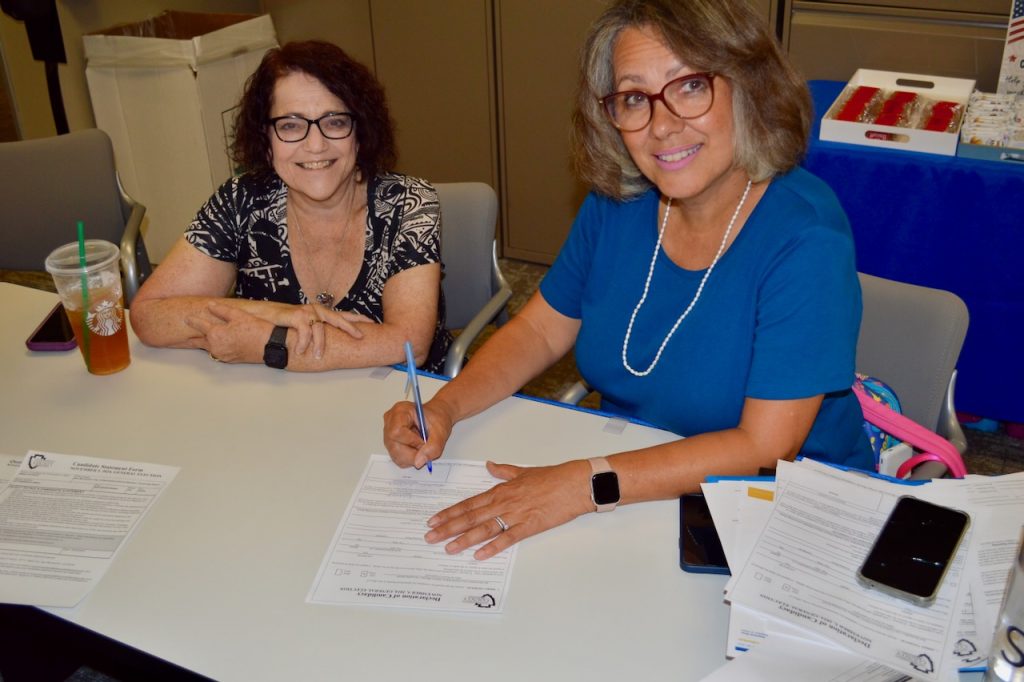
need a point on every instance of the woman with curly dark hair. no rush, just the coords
(334, 260)
(708, 285)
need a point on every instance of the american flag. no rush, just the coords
(1015, 31)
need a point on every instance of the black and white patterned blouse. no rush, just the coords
(245, 223)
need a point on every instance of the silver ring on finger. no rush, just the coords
(501, 524)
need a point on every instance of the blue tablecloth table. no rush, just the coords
(946, 222)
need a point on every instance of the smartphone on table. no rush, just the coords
(700, 550)
(914, 549)
(53, 333)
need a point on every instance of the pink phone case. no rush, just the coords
(52, 332)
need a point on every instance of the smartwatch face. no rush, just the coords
(606, 487)
(275, 356)
(275, 353)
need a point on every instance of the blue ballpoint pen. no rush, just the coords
(413, 381)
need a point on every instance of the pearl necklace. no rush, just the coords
(696, 296)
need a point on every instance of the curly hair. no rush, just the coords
(771, 102)
(344, 77)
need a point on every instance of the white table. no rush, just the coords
(215, 579)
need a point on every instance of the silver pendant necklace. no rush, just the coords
(325, 297)
(696, 296)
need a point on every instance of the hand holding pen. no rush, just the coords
(414, 384)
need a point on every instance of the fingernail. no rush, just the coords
(432, 521)
(431, 536)
(450, 548)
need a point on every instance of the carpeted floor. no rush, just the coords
(987, 453)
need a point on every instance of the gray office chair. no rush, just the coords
(49, 185)
(475, 291)
(910, 337)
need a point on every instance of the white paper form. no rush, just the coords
(728, 500)
(783, 659)
(753, 513)
(748, 629)
(803, 570)
(378, 554)
(724, 498)
(63, 518)
(997, 534)
(8, 467)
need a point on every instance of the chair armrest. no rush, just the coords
(499, 284)
(574, 394)
(928, 470)
(135, 266)
(460, 346)
(949, 426)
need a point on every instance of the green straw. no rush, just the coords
(85, 295)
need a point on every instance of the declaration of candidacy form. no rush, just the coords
(378, 554)
(802, 570)
(63, 518)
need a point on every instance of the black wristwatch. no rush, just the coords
(604, 485)
(275, 353)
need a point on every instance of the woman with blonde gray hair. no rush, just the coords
(708, 284)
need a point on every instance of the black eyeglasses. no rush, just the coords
(686, 97)
(294, 128)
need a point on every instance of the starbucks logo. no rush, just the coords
(106, 318)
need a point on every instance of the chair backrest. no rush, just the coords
(469, 214)
(910, 337)
(50, 184)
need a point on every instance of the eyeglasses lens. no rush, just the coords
(687, 97)
(295, 129)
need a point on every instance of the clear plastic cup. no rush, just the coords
(1006, 662)
(97, 316)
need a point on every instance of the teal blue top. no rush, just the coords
(778, 318)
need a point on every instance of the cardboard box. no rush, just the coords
(994, 128)
(165, 90)
(893, 137)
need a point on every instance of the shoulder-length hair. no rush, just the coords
(344, 77)
(771, 102)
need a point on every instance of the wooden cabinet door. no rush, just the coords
(436, 61)
(538, 54)
(538, 47)
(831, 41)
(346, 23)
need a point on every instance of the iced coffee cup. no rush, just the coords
(93, 299)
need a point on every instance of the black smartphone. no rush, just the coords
(53, 333)
(700, 550)
(914, 549)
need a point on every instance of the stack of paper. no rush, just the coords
(795, 546)
(65, 518)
